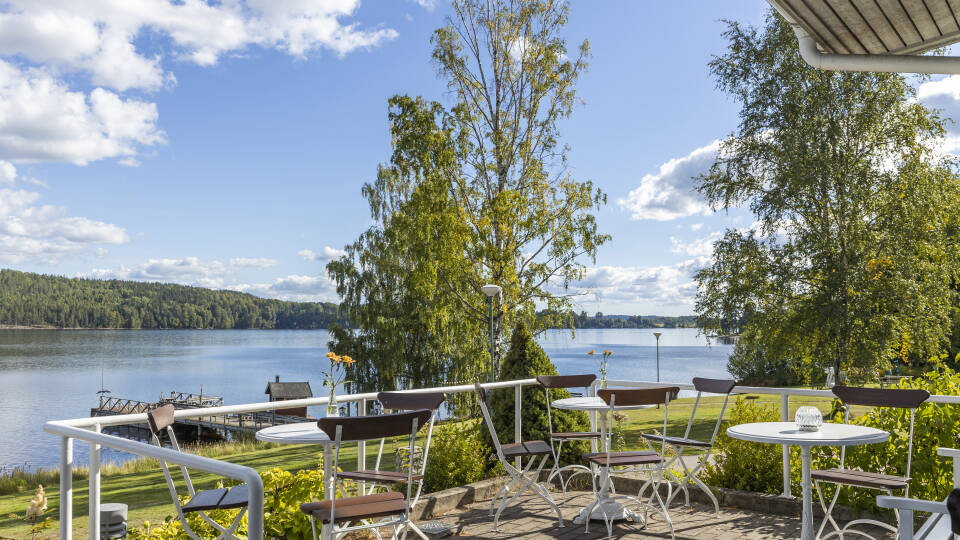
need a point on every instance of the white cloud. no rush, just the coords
(670, 194)
(43, 120)
(45, 233)
(670, 285)
(327, 253)
(698, 247)
(186, 271)
(8, 173)
(429, 5)
(297, 288)
(949, 86)
(255, 262)
(696, 227)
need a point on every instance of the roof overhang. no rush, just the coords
(874, 35)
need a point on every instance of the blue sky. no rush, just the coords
(225, 146)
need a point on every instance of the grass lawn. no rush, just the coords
(145, 490)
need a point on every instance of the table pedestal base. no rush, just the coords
(608, 510)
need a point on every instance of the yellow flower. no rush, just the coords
(347, 360)
(38, 504)
(607, 352)
(590, 352)
(331, 355)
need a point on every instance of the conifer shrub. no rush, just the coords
(526, 360)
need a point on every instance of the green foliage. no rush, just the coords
(569, 319)
(527, 360)
(50, 301)
(458, 456)
(283, 493)
(743, 465)
(854, 250)
(475, 193)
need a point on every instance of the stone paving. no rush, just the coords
(534, 519)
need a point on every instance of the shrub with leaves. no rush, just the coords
(527, 360)
(457, 456)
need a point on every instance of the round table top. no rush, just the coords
(828, 435)
(590, 403)
(299, 433)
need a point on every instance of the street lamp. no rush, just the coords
(657, 335)
(491, 291)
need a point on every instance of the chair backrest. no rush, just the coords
(484, 409)
(411, 401)
(566, 381)
(362, 428)
(897, 398)
(710, 386)
(626, 397)
(160, 418)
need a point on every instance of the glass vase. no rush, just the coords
(332, 408)
(808, 418)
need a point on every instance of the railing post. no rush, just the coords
(94, 485)
(785, 417)
(66, 488)
(592, 391)
(362, 448)
(517, 435)
(255, 509)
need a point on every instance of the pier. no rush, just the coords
(212, 427)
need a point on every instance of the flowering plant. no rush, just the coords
(602, 361)
(336, 376)
(35, 510)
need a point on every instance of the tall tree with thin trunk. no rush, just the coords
(476, 193)
(853, 251)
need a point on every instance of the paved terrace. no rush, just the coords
(534, 519)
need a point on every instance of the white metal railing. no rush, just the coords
(88, 430)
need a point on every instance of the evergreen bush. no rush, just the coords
(526, 360)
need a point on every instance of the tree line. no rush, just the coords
(599, 320)
(28, 299)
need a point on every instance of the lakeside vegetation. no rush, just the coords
(582, 320)
(35, 300)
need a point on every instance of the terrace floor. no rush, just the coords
(534, 519)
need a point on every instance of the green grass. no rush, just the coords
(141, 485)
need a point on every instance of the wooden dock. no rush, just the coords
(211, 427)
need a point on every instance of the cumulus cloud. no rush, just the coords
(298, 288)
(327, 253)
(186, 271)
(668, 285)
(670, 194)
(41, 119)
(949, 86)
(118, 47)
(254, 262)
(45, 233)
(698, 247)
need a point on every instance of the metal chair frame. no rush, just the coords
(521, 479)
(690, 475)
(828, 508)
(655, 470)
(399, 523)
(556, 446)
(225, 532)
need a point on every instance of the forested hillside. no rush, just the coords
(599, 320)
(28, 299)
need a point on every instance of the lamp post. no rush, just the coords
(657, 335)
(491, 291)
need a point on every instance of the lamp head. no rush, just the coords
(658, 334)
(490, 290)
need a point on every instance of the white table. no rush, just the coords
(305, 433)
(828, 435)
(606, 506)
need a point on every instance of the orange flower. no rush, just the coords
(331, 355)
(607, 352)
(347, 360)
(590, 352)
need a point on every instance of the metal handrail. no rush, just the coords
(88, 430)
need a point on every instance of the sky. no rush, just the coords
(225, 144)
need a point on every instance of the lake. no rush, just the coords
(49, 374)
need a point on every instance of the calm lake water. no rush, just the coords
(47, 375)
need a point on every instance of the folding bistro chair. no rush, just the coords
(400, 402)
(521, 479)
(393, 507)
(677, 444)
(557, 439)
(648, 461)
(161, 419)
(870, 397)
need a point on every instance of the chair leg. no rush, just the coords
(313, 527)
(417, 530)
(663, 509)
(828, 510)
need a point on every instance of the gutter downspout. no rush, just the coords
(885, 63)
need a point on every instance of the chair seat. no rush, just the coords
(383, 477)
(218, 499)
(853, 477)
(526, 448)
(676, 441)
(389, 503)
(640, 457)
(576, 435)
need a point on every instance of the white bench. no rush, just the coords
(937, 525)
